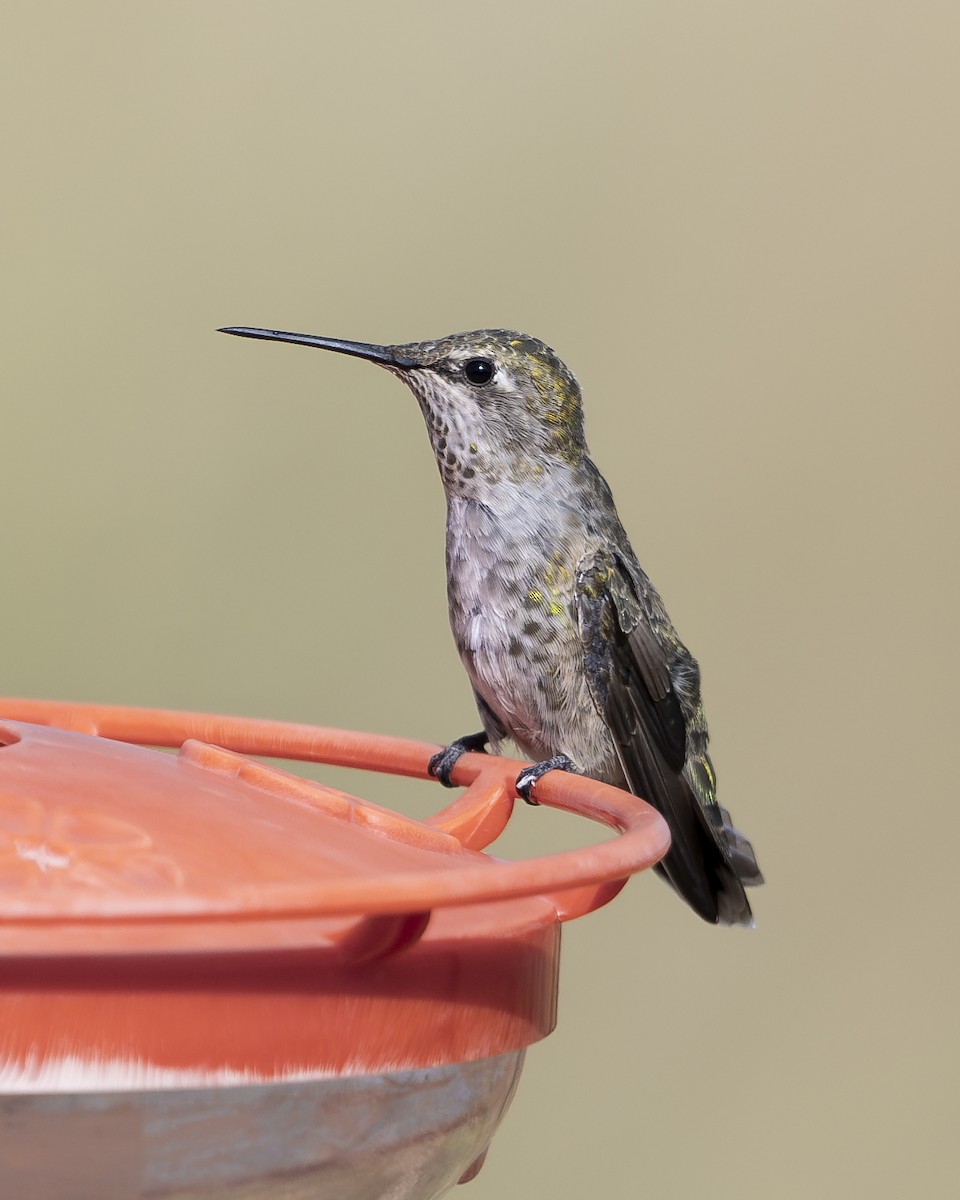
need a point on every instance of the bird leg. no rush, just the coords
(526, 779)
(446, 759)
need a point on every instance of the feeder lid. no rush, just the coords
(128, 873)
(110, 847)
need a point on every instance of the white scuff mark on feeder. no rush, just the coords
(45, 858)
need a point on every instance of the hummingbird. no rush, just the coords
(566, 642)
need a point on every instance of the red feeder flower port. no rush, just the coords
(218, 979)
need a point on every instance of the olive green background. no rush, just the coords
(738, 223)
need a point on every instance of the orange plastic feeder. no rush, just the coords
(221, 979)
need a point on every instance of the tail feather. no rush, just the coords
(699, 866)
(740, 852)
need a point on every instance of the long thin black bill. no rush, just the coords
(377, 354)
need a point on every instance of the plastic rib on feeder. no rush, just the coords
(219, 975)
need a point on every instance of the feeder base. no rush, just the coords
(409, 1135)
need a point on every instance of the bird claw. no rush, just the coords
(446, 759)
(527, 778)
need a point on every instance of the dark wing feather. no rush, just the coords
(629, 672)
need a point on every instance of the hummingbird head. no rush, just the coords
(497, 404)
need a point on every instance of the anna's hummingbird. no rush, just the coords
(568, 646)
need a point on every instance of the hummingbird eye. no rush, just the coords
(478, 371)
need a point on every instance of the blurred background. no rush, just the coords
(738, 224)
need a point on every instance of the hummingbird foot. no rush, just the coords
(446, 759)
(526, 779)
